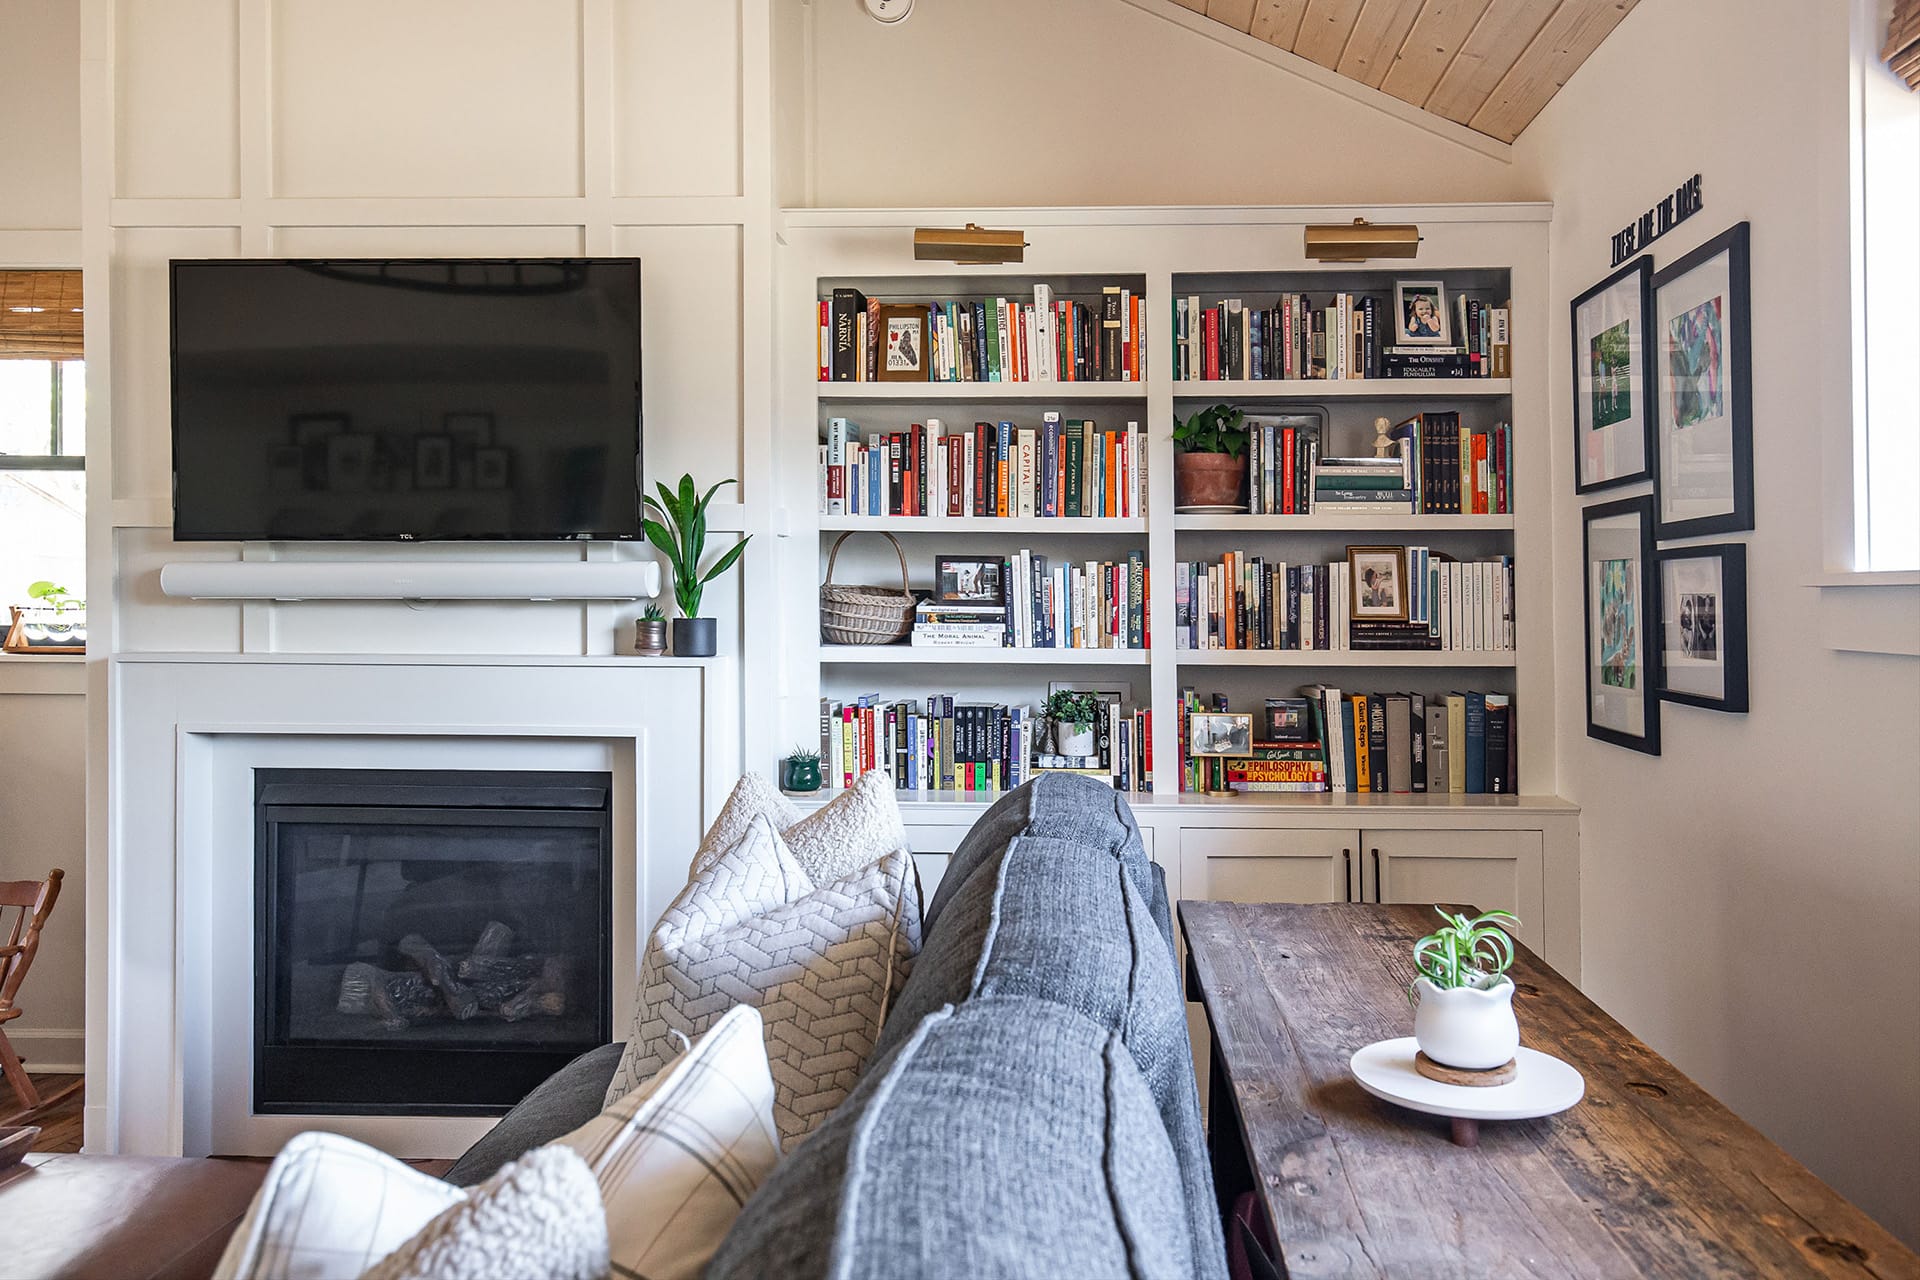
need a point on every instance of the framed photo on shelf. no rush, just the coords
(1613, 379)
(1622, 614)
(1219, 733)
(1420, 314)
(1703, 445)
(1703, 610)
(903, 344)
(977, 580)
(1378, 578)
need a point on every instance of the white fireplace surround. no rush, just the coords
(172, 977)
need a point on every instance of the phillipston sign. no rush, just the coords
(1657, 221)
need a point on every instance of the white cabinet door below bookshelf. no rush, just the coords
(1246, 864)
(933, 845)
(1484, 869)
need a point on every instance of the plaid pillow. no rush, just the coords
(678, 1157)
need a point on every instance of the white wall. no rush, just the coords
(43, 740)
(981, 103)
(1751, 897)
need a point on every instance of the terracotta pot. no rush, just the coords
(1208, 480)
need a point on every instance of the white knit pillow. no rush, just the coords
(859, 826)
(539, 1216)
(821, 964)
(677, 1158)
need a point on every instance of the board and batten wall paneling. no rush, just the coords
(43, 799)
(699, 80)
(444, 98)
(178, 117)
(40, 105)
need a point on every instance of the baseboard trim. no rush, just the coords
(51, 1050)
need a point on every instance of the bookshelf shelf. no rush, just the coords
(1336, 658)
(991, 525)
(1346, 389)
(1343, 522)
(908, 655)
(980, 392)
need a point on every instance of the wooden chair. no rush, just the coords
(34, 901)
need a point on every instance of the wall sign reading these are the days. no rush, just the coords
(1657, 221)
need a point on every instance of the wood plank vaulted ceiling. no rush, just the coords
(1490, 65)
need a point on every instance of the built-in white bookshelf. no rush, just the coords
(1489, 251)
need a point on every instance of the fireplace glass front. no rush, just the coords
(429, 942)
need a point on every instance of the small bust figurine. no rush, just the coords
(1382, 447)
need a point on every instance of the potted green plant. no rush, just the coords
(681, 535)
(57, 623)
(1072, 713)
(1208, 470)
(1463, 1014)
(650, 633)
(801, 770)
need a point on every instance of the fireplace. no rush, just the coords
(428, 942)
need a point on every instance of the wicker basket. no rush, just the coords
(865, 615)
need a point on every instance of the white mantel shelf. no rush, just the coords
(428, 659)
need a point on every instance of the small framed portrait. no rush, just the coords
(1703, 626)
(1377, 577)
(1420, 314)
(1623, 654)
(349, 462)
(433, 462)
(1219, 733)
(978, 580)
(902, 339)
(490, 468)
(1613, 379)
(1703, 442)
(1288, 720)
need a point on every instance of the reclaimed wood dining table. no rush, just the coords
(1648, 1175)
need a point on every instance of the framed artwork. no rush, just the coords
(1420, 314)
(432, 462)
(1378, 581)
(1613, 379)
(1703, 445)
(1703, 611)
(903, 344)
(976, 580)
(1219, 733)
(1289, 720)
(1623, 668)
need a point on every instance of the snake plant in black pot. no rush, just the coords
(681, 535)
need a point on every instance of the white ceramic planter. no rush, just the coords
(1465, 1027)
(1074, 742)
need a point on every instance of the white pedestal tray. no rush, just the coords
(1544, 1086)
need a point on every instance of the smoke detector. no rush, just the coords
(888, 11)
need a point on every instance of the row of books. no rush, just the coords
(943, 745)
(1380, 743)
(1250, 602)
(1045, 339)
(1064, 469)
(1344, 336)
(1452, 470)
(1095, 604)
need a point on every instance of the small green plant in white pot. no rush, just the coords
(1463, 998)
(1072, 712)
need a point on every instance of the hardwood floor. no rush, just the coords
(63, 1100)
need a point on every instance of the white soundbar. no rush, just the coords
(410, 580)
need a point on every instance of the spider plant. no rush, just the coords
(1465, 952)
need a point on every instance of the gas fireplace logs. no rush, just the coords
(486, 981)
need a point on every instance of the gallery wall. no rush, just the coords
(1750, 897)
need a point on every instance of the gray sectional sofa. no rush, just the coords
(1030, 1108)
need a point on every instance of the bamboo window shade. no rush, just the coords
(1902, 50)
(40, 315)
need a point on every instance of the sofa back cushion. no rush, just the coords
(1010, 1136)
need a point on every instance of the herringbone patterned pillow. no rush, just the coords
(821, 964)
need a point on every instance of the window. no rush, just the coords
(1887, 444)
(43, 433)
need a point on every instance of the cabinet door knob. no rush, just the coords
(1376, 875)
(1346, 859)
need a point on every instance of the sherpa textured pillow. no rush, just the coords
(858, 827)
(539, 1216)
(676, 1158)
(820, 962)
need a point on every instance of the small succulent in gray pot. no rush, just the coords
(650, 633)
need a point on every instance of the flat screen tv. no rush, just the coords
(406, 400)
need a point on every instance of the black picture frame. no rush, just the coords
(1735, 244)
(1639, 275)
(1729, 630)
(970, 580)
(1648, 678)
